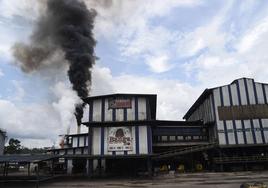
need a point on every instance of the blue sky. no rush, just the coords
(174, 48)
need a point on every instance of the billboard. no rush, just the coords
(118, 103)
(119, 139)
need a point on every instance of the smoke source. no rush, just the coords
(66, 26)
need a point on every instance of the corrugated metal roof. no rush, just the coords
(25, 158)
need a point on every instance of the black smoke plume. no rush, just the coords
(66, 26)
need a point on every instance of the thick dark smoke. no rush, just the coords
(66, 26)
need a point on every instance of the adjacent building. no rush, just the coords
(225, 125)
(2, 141)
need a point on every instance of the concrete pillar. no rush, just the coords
(89, 167)
(149, 167)
(69, 166)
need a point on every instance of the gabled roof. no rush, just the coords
(204, 95)
(199, 101)
(152, 99)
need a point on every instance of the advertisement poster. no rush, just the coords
(119, 139)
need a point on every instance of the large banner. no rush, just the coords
(119, 139)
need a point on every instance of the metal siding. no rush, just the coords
(259, 93)
(96, 141)
(229, 124)
(265, 93)
(81, 141)
(257, 131)
(97, 110)
(248, 132)
(258, 124)
(143, 144)
(131, 111)
(251, 95)
(230, 132)
(133, 141)
(142, 109)
(213, 116)
(105, 142)
(136, 127)
(248, 93)
(239, 129)
(224, 122)
(242, 92)
(220, 127)
(119, 114)
(265, 127)
(108, 112)
(74, 144)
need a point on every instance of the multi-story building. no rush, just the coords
(226, 125)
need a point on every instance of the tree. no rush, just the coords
(13, 147)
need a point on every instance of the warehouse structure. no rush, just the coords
(238, 116)
(227, 124)
(2, 141)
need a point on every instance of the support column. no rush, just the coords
(69, 166)
(149, 167)
(89, 167)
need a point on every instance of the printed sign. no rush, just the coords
(119, 139)
(119, 103)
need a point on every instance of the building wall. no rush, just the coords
(141, 137)
(243, 91)
(248, 131)
(204, 111)
(2, 143)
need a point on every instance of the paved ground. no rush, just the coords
(201, 180)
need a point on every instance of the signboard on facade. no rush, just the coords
(119, 103)
(119, 139)
(243, 112)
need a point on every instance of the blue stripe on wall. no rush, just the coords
(89, 128)
(257, 102)
(125, 119)
(214, 114)
(264, 94)
(137, 139)
(251, 121)
(240, 103)
(233, 121)
(102, 128)
(149, 130)
(224, 122)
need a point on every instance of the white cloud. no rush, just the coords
(128, 22)
(38, 121)
(1, 73)
(158, 64)
(29, 9)
(19, 91)
(173, 96)
(253, 36)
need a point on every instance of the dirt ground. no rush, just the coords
(192, 180)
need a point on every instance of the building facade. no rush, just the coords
(2, 141)
(238, 112)
(225, 125)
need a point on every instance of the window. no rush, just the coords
(172, 138)
(164, 138)
(179, 137)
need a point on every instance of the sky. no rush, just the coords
(172, 48)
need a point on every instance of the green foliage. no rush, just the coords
(14, 147)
